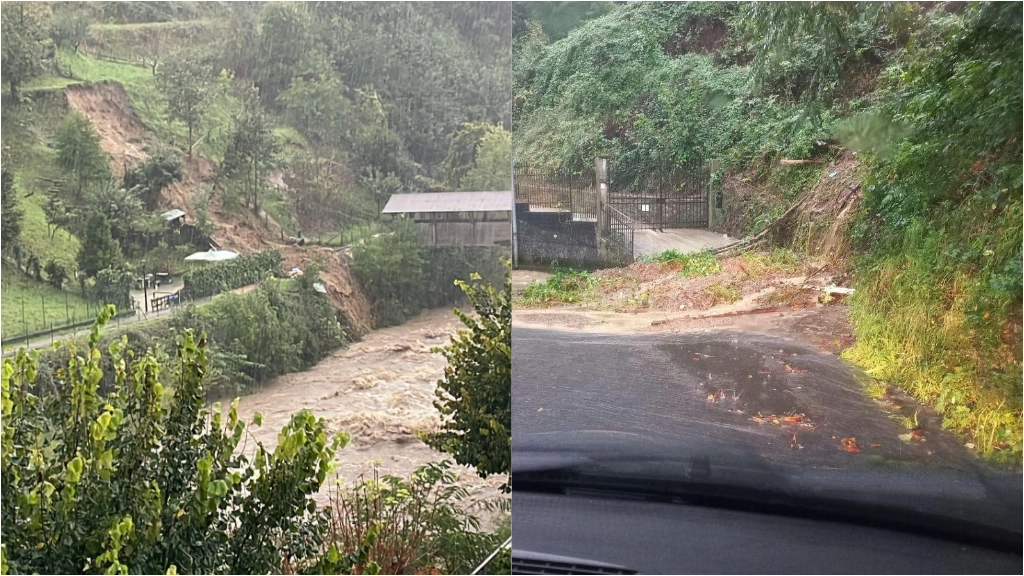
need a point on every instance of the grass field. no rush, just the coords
(42, 304)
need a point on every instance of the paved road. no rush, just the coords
(658, 387)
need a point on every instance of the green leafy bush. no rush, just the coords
(148, 479)
(232, 274)
(475, 396)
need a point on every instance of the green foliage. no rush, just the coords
(99, 250)
(557, 19)
(722, 294)
(113, 286)
(188, 84)
(475, 396)
(56, 273)
(146, 479)
(759, 263)
(702, 263)
(479, 158)
(317, 107)
(79, 154)
(10, 226)
(152, 175)
(220, 277)
(390, 268)
(254, 149)
(69, 30)
(400, 525)
(564, 285)
(286, 47)
(26, 43)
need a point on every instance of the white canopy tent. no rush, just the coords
(212, 256)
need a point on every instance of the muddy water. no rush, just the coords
(381, 391)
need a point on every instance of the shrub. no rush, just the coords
(393, 525)
(146, 479)
(475, 396)
(56, 273)
(564, 285)
(232, 274)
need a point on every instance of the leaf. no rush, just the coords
(849, 445)
(257, 419)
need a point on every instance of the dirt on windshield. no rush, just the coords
(381, 391)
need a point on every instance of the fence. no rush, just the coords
(50, 324)
(552, 191)
(557, 222)
(672, 197)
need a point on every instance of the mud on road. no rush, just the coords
(381, 391)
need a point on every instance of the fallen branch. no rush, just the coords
(788, 162)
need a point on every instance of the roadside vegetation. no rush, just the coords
(885, 138)
(151, 477)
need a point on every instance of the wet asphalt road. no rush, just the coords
(774, 396)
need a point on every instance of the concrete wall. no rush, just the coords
(551, 237)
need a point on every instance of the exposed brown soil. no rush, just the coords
(817, 223)
(124, 136)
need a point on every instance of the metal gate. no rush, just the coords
(674, 197)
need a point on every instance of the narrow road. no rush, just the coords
(140, 316)
(774, 396)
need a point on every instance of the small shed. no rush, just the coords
(457, 218)
(175, 218)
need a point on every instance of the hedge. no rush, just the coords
(232, 274)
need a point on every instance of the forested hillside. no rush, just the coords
(921, 101)
(261, 121)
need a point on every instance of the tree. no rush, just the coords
(479, 158)
(188, 84)
(153, 47)
(286, 48)
(253, 150)
(79, 153)
(69, 30)
(56, 273)
(99, 250)
(25, 28)
(391, 269)
(475, 396)
(318, 107)
(150, 177)
(10, 215)
(138, 479)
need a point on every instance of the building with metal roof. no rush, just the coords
(457, 218)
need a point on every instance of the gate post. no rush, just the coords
(601, 175)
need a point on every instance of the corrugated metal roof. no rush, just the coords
(172, 214)
(449, 202)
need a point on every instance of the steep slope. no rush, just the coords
(125, 137)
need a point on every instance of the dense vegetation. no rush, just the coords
(403, 278)
(475, 395)
(108, 470)
(307, 115)
(223, 276)
(928, 97)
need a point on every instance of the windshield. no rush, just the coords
(758, 249)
